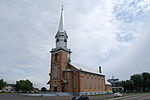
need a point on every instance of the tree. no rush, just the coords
(127, 85)
(137, 80)
(2, 84)
(24, 85)
(43, 89)
(146, 81)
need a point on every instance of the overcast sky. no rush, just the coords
(111, 33)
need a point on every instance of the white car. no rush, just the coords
(118, 94)
(1, 91)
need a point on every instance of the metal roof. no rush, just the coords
(108, 83)
(87, 69)
(61, 23)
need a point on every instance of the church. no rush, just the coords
(66, 76)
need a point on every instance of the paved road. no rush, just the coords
(9, 96)
(6, 96)
(145, 96)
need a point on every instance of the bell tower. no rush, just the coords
(60, 57)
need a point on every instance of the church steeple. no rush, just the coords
(61, 36)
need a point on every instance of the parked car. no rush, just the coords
(81, 97)
(1, 90)
(118, 94)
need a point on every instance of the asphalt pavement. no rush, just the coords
(143, 96)
(18, 96)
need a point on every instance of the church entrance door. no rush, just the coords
(63, 87)
(55, 89)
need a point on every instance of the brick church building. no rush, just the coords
(66, 76)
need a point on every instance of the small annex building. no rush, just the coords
(66, 76)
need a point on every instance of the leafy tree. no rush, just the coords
(123, 84)
(127, 85)
(24, 85)
(43, 89)
(2, 84)
(146, 81)
(137, 80)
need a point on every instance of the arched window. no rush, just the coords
(55, 71)
(99, 83)
(91, 82)
(57, 40)
(75, 81)
(85, 82)
(95, 83)
(65, 40)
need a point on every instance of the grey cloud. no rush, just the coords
(28, 28)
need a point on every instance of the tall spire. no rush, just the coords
(61, 23)
(61, 36)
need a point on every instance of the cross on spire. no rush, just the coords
(62, 7)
